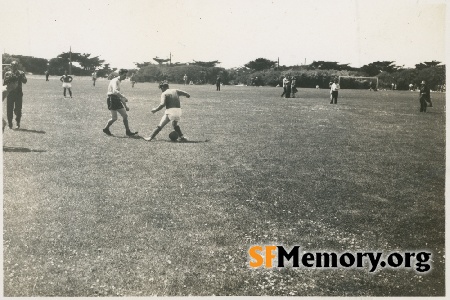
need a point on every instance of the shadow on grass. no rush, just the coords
(138, 137)
(177, 142)
(434, 112)
(30, 130)
(20, 149)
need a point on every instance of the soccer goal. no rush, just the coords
(358, 82)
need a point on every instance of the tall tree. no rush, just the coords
(143, 64)
(328, 65)
(86, 62)
(207, 64)
(427, 64)
(377, 67)
(90, 63)
(260, 64)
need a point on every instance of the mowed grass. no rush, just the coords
(87, 215)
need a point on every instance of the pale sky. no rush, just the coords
(234, 32)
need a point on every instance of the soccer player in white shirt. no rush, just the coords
(117, 103)
(334, 92)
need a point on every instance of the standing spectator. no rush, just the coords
(117, 103)
(133, 80)
(329, 85)
(67, 83)
(185, 79)
(411, 86)
(94, 77)
(218, 82)
(14, 80)
(334, 92)
(170, 99)
(285, 80)
(46, 75)
(288, 88)
(424, 97)
(293, 88)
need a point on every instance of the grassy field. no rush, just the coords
(85, 214)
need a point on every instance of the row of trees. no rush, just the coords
(261, 71)
(80, 64)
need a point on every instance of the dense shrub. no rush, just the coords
(175, 74)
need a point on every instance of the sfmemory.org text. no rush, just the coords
(270, 256)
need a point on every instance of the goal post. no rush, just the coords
(358, 82)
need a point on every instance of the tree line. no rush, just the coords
(80, 64)
(260, 72)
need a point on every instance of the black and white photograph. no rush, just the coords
(275, 148)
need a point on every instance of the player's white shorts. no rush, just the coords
(174, 114)
(67, 85)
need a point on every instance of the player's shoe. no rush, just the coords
(183, 139)
(106, 130)
(129, 133)
(148, 139)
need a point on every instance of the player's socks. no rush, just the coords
(127, 128)
(178, 130)
(154, 133)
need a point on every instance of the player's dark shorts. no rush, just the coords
(114, 102)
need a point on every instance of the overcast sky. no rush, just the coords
(234, 32)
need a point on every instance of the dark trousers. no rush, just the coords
(13, 106)
(287, 92)
(334, 96)
(423, 103)
(218, 86)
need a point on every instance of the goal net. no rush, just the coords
(358, 82)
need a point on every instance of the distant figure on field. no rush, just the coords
(286, 87)
(14, 95)
(94, 77)
(411, 87)
(117, 103)
(185, 79)
(218, 82)
(170, 99)
(334, 92)
(329, 85)
(46, 75)
(133, 80)
(424, 97)
(67, 83)
(293, 88)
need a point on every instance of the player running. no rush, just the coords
(117, 103)
(170, 99)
